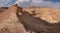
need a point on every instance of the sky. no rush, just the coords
(31, 3)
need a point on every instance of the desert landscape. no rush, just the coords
(15, 19)
(48, 14)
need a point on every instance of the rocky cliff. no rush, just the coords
(9, 22)
(49, 14)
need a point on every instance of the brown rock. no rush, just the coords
(9, 15)
(36, 24)
(48, 14)
(9, 22)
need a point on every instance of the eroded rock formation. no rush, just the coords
(16, 20)
(9, 22)
(49, 14)
(36, 24)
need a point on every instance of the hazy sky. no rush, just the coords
(26, 3)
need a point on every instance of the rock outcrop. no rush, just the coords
(9, 15)
(13, 20)
(9, 22)
(49, 14)
(37, 24)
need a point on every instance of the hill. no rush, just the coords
(49, 14)
(9, 22)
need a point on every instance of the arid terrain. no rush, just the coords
(31, 20)
(9, 22)
(49, 14)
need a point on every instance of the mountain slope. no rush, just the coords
(48, 14)
(9, 22)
